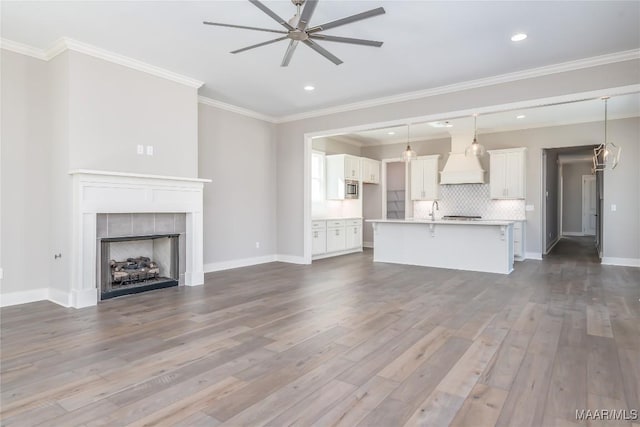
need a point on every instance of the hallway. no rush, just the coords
(581, 249)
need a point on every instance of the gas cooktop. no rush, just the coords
(462, 217)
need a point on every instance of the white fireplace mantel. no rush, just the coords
(97, 192)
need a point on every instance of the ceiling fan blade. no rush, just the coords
(345, 40)
(322, 51)
(289, 53)
(259, 44)
(244, 27)
(305, 17)
(272, 14)
(353, 18)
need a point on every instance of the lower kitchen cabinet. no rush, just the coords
(335, 237)
(318, 237)
(518, 240)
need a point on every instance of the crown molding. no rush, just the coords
(471, 84)
(22, 49)
(235, 109)
(63, 44)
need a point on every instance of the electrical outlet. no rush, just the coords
(140, 149)
(257, 245)
(614, 208)
(149, 150)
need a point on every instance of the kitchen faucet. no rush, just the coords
(434, 206)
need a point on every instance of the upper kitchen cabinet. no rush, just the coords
(424, 178)
(507, 174)
(342, 168)
(370, 171)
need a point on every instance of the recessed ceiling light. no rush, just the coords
(521, 116)
(391, 133)
(518, 37)
(309, 88)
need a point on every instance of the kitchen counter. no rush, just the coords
(332, 218)
(476, 245)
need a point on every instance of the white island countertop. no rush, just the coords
(475, 245)
(443, 221)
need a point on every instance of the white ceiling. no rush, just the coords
(427, 44)
(622, 106)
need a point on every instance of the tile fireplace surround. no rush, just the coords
(98, 192)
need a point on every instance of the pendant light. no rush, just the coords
(408, 154)
(606, 154)
(475, 149)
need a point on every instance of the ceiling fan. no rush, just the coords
(298, 30)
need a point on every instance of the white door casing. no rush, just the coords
(589, 204)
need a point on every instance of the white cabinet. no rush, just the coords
(336, 236)
(518, 240)
(424, 178)
(318, 237)
(370, 171)
(353, 233)
(507, 174)
(340, 167)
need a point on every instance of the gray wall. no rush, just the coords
(332, 146)
(24, 169)
(290, 138)
(238, 154)
(572, 195)
(73, 112)
(551, 199)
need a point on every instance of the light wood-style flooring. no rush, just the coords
(344, 341)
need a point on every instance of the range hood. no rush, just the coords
(461, 169)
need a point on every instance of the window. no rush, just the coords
(317, 176)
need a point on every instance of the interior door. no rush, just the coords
(589, 204)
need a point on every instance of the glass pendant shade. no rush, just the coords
(408, 154)
(607, 154)
(475, 149)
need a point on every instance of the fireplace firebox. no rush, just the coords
(136, 264)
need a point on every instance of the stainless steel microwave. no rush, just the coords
(351, 189)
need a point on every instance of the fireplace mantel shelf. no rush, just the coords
(135, 175)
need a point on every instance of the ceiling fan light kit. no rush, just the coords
(297, 30)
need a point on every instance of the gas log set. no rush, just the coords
(133, 270)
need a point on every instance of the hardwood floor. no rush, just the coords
(344, 341)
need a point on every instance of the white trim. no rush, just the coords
(533, 255)
(23, 297)
(473, 84)
(235, 109)
(59, 297)
(555, 242)
(23, 49)
(135, 175)
(624, 262)
(65, 43)
(307, 243)
(334, 254)
(573, 233)
(367, 245)
(292, 259)
(237, 263)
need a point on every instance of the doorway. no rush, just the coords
(395, 190)
(589, 215)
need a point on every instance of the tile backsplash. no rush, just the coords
(471, 199)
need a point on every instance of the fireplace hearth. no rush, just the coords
(135, 264)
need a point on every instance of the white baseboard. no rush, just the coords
(237, 263)
(367, 245)
(59, 297)
(624, 262)
(332, 254)
(23, 297)
(84, 298)
(291, 259)
(534, 255)
(573, 233)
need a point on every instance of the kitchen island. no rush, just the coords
(485, 246)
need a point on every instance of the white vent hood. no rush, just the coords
(461, 169)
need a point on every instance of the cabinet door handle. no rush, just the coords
(355, 231)
(315, 234)
(337, 232)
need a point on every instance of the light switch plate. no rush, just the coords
(149, 150)
(528, 208)
(614, 208)
(140, 149)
